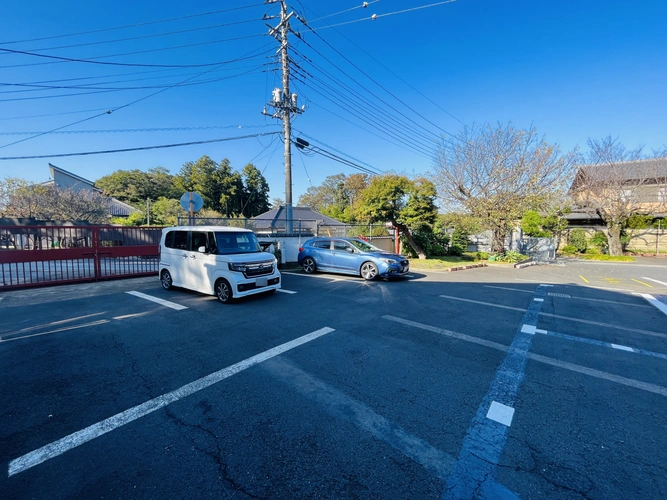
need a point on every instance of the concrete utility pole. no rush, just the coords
(284, 104)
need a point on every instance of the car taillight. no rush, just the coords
(300, 249)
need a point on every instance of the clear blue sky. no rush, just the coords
(573, 69)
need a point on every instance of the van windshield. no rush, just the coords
(236, 242)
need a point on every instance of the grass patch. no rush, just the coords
(444, 262)
(610, 258)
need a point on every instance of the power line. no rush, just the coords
(93, 60)
(52, 114)
(377, 16)
(120, 107)
(390, 71)
(210, 80)
(143, 37)
(133, 130)
(145, 148)
(146, 23)
(362, 6)
(377, 83)
(338, 151)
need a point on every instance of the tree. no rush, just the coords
(618, 184)
(135, 186)
(255, 193)
(401, 201)
(23, 199)
(276, 203)
(496, 174)
(336, 196)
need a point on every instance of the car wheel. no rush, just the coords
(308, 265)
(223, 291)
(165, 279)
(369, 271)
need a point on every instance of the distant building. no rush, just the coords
(62, 179)
(306, 221)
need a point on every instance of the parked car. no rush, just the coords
(226, 262)
(351, 256)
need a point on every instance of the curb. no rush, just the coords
(463, 268)
(525, 263)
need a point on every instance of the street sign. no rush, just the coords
(192, 202)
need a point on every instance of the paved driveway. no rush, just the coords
(479, 384)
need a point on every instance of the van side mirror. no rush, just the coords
(201, 249)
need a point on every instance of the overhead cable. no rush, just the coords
(145, 148)
(135, 25)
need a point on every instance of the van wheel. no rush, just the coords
(165, 279)
(308, 265)
(223, 291)
(369, 271)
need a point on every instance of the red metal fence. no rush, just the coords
(46, 255)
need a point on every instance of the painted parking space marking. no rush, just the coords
(67, 443)
(584, 279)
(500, 413)
(162, 302)
(641, 282)
(510, 289)
(561, 295)
(619, 347)
(591, 372)
(282, 290)
(487, 434)
(655, 281)
(622, 347)
(568, 318)
(654, 302)
(5, 337)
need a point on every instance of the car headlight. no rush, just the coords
(240, 268)
(389, 261)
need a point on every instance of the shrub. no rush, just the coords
(459, 243)
(593, 251)
(433, 243)
(577, 239)
(599, 241)
(511, 256)
(569, 250)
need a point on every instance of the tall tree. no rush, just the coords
(403, 202)
(618, 184)
(255, 195)
(497, 173)
(220, 186)
(135, 186)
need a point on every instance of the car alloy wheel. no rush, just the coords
(308, 265)
(166, 280)
(223, 291)
(369, 271)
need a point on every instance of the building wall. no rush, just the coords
(649, 240)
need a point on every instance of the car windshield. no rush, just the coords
(364, 247)
(236, 242)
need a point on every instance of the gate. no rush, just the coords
(47, 255)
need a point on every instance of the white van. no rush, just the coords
(227, 262)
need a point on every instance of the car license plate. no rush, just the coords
(261, 282)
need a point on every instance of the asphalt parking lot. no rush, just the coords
(545, 382)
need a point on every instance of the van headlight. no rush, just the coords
(239, 268)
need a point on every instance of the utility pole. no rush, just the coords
(284, 103)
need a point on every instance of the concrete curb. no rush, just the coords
(450, 269)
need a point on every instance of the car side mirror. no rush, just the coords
(351, 250)
(201, 249)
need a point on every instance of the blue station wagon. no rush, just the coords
(351, 256)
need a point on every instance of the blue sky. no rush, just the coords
(573, 69)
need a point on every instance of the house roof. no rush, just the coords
(276, 217)
(119, 209)
(626, 171)
(53, 169)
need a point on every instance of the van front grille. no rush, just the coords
(259, 269)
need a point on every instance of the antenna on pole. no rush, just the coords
(284, 103)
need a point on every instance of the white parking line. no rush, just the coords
(162, 302)
(94, 323)
(282, 290)
(500, 413)
(629, 382)
(655, 281)
(89, 433)
(654, 302)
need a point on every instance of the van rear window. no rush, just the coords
(176, 239)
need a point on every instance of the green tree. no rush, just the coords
(165, 211)
(255, 194)
(135, 186)
(531, 224)
(403, 202)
